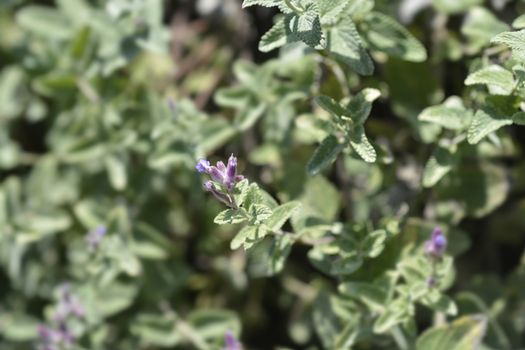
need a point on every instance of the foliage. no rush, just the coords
(380, 204)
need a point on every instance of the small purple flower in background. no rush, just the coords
(224, 178)
(436, 246)
(230, 342)
(94, 237)
(59, 336)
(202, 166)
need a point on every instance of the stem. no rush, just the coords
(294, 8)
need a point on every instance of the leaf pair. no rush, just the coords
(349, 117)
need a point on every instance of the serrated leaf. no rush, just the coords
(265, 3)
(331, 106)
(241, 236)
(275, 37)
(330, 10)
(324, 155)
(360, 105)
(253, 195)
(499, 80)
(384, 34)
(248, 237)
(439, 164)
(259, 213)
(305, 27)
(485, 121)
(231, 216)
(345, 44)
(465, 333)
(361, 145)
(281, 214)
(514, 40)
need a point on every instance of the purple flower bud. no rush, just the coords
(94, 237)
(437, 244)
(202, 166)
(432, 282)
(216, 174)
(231, 170)
(230, 342)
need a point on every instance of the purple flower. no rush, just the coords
(202, 166)
(94, 237)
(224, 177)
(230, 342)
(436, 246)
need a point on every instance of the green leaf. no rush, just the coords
(44, 21)
(331, 106)
(374, 243)
(519, 22)
(519, 118)
(18, 327)
(247, 237)
(330, 10)
(117, 173)
(156, 330)
(439, 164)
(253, 195)
(514, 40)
(231, 216)
(384, 34)
(275, 37)
(324, 155)
(465, 333)
(361, 145)
(346, 265)
(480, 26)
(281, 214)
(449, 115)
(499, 80)
(486, 121)
(455, 6)
(259, 213)
(305, 27)
(396, 313)
(345, 44)
(265, 3)
(360, 105)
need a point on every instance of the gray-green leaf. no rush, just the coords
(324, 155)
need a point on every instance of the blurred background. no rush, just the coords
(105, 106)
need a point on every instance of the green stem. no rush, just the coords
(294, 8)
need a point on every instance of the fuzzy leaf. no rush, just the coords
(305, 27)
(384, 34)
(324, 155)
(447, 116)
(330, 105)
(519, 22)
(360, 105)
(439, 164)
(345, 44)
(464, 334)
(362, 146)
(480, 26)
(274, 38)
(265, 3)
(281, 214)
(514, 40)
(485, 121)
(498, 79)
(230, 216)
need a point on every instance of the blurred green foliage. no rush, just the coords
(373, 123)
